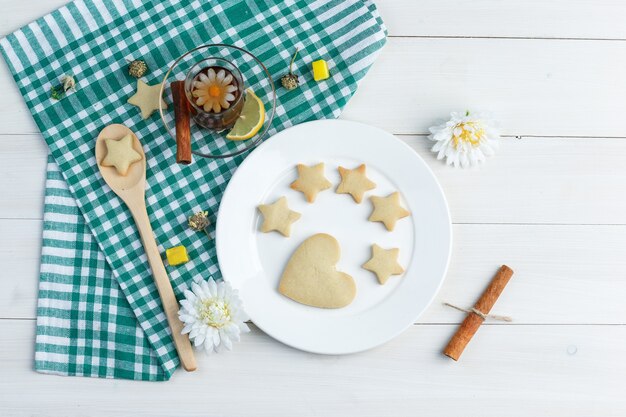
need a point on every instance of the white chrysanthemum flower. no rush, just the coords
(465, 140)
(214, 91)
(213, 315)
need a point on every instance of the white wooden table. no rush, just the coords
(551, 204)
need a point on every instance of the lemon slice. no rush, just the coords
(250, 120)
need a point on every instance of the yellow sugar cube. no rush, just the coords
(320, 70)
(177, 255)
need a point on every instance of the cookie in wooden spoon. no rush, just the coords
(311, 276)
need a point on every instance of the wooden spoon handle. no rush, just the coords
(163, 284)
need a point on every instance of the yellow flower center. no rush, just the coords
(215, 91)
(470, 132)
(214, 313)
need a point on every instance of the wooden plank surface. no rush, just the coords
(507, 371)
(569, 19)
(564, 19)
(533, 180)
(533, 87)
(551, 205)
(23, 174)
(558, 270)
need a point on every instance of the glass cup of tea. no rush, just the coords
(214, 87)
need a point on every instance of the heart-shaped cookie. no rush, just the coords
(311, 276)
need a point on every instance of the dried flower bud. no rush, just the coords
(199, 221)
(58, 91)
(137, 68)
(69, 83)
(290, 81)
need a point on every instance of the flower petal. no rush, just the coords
(199, 340)
(227, 342)
(220, 289)
(216, 338)
(212, 285)
(208, 293)
(197, 289)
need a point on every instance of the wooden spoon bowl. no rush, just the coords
(136, 176)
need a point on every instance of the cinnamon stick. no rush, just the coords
(474, 319)
(182, 115)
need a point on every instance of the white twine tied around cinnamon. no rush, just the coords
(480, 313)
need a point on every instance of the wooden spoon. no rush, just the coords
(132, 190)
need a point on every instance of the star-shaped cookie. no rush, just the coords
(147, 98)
(311, 181)
(354, 182)
(384, 263)
(278, 217)
(388, 210)
(120, 154)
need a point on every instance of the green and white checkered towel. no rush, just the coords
(99, 313)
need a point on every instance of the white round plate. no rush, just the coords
(253, 262)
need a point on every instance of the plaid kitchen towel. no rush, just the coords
(99, 313)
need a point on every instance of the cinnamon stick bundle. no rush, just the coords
(182, 115)
(476, 317)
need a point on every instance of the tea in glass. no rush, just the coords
(214, 87)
